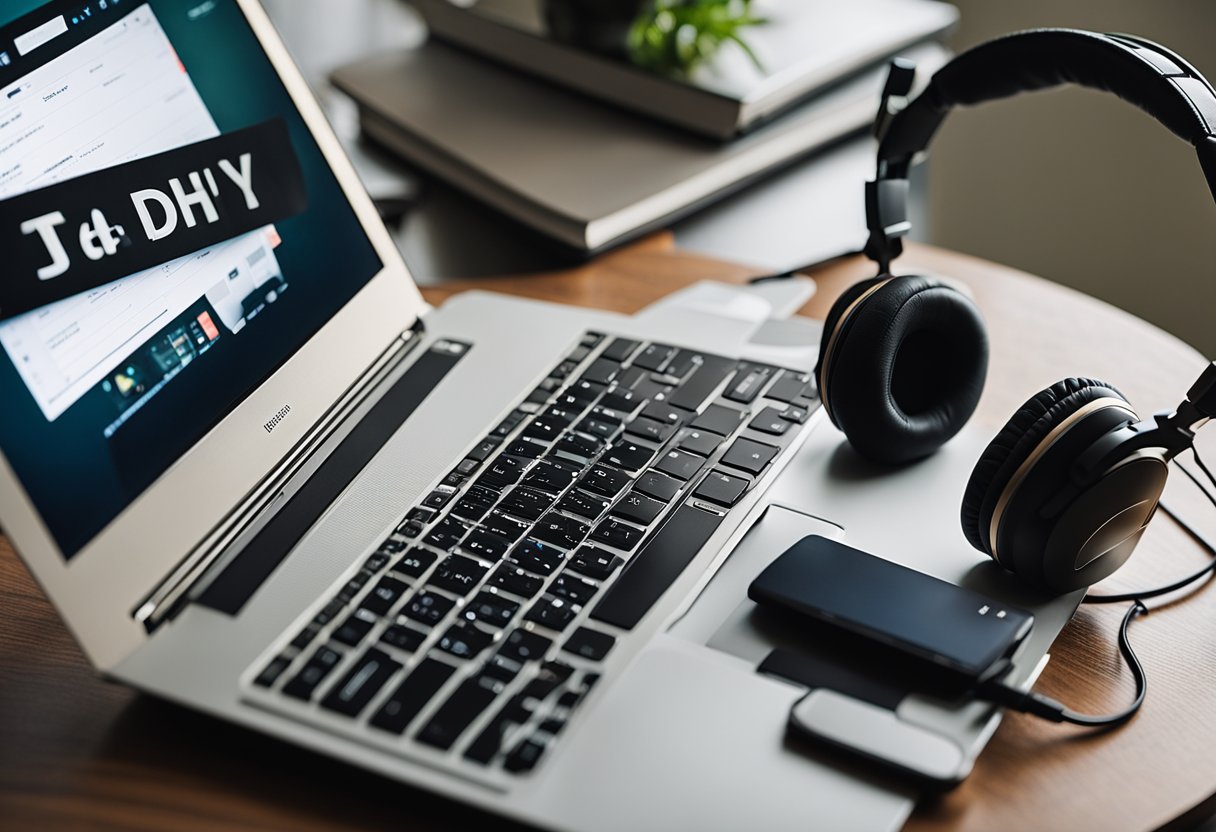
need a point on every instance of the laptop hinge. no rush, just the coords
(169, 596)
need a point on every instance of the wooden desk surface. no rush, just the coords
(77, 752)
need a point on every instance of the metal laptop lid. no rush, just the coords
(192, 276)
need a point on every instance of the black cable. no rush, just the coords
(1047, 708)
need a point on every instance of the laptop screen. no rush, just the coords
(170, 234)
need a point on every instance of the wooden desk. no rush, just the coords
(76, 752)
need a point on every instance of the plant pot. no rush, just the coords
(595, 25)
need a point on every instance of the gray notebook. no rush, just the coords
(803, 47)
(588, 175)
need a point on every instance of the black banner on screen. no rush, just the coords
(83, 233)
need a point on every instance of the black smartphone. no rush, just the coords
(911, 612)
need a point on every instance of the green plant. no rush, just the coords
(673, 37)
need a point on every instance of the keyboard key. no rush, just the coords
(653, 569)
(447, 534)
(464, 640)
(526, 448)
(789, 386)
(769, 420)
(617, 535)
(560, 530)
(622, 400)
(719, 419)
(680, 464)
(377, 561)
(428, 608)
(438, 498)
(411, 528)
(590, 644)
(331, 610)
(699, 441)
(414, 563)
(536, 556)
(601, 371)
(489, 741)
(353, 586)
(629, 455)
(661, 411)
(403, 638)
(693, 392)
(505, 470)
(351, 695)
(604, 481)
(552, 612)
(524, 757)
(356, 628)
(552, 475)
(508, 528)
(475, 503)
(490, 608)
(392, 547)
(650, 429)
(748, 383)
(412, 695)
(594, 563)
(597, 427)
(501, 668)
(573, 588)
(306, 636)
(654, 357)
(583, 504)
(516, 581)
(271, 673)
(525, 646)
(620, 349)
(562, 414)
(749, 456)
(525, 502)
(578, 447)
(545, 430)
(508, 424)
(458, 574)
(304, 683)
(484, 450)
(551, 726)
(638, 508)
(453, 481)
(387, 592)
(549, 677)
(580, 394)
(722, 488)
(682, 363)
(485, 545)
(796, 414)
(659, 486)
(455, 715)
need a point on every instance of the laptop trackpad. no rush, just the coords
(695, 739)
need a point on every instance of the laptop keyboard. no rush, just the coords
(481, 622)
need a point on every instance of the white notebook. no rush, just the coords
(589, 175)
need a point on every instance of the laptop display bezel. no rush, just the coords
(98, 588)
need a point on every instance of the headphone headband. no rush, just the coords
(1138, 71)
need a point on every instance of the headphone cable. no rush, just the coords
(1047, 708)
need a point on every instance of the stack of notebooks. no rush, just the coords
(591, 150)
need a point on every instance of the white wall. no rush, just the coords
(1078, 186)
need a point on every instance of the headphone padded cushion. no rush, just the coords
(1014, 444)
(874, 373)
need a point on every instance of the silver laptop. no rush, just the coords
(498, 550)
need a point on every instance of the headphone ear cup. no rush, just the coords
(1028, 465)
(902, 371)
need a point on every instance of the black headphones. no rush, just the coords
(1064, 492)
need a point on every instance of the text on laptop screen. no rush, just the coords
(171, 235)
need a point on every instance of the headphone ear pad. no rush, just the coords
(1013, 445)
(906, 368)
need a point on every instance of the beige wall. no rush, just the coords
(1078, 186)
